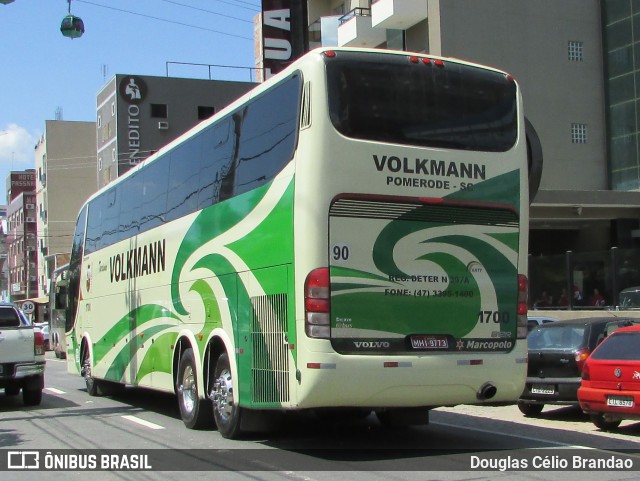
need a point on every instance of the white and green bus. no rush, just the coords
(349, 236)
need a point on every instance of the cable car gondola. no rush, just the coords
(71, 26)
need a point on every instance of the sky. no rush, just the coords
(43, 73)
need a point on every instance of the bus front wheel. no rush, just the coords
(195, 412)
(226, 411)
(94, 387)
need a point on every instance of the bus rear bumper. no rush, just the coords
(443, 380)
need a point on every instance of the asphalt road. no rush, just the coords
(463, 442)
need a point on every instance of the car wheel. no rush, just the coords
(529, 409)
(196, 413)
(11, 391)
(602, 423)
(226, 411)
(32, 397)
(32, 390)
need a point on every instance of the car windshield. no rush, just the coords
(557, 337)
(630, 298)
(619, 347)
(9, 317)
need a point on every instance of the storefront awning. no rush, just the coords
(38, 300)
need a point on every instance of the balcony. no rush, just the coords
(355, 30)
(397, 14)
(324, 32)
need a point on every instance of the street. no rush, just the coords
(306, 448)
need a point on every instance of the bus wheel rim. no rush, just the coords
(188, 389)
(222, 395)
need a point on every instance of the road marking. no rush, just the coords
(517, 436)
(54, 390)
(142, 422)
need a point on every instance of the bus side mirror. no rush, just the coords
(534, 159)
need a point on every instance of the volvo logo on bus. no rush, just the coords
(371, 344)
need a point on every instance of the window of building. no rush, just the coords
(205, 112)
(578, 133)
(575, 51)
(113, 108)
(159, 111)
(99, 121)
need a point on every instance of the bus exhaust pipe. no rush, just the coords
(486, 391)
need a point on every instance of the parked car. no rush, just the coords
(557, 352)
(610, 389)
(629, 298)
(45, 332)
(22, 361)
(535, 321)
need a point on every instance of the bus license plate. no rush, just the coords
(543, 389)
(429, 342)
(620, 401)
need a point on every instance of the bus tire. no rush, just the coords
(94, 387)
(226, 412)
(196, 413)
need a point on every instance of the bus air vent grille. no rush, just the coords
(270, 360)
(441, 213)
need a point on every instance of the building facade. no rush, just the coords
(573, 78)
(22, 253)
(65, 161)
(137, 115)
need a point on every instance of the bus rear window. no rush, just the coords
(386, 98)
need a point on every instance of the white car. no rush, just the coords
(535, 321)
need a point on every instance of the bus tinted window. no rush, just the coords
(234, 155)
(457, 106)
(154, 193)
(130, 201)
(184, 179)
(268, 135)
(75, 265)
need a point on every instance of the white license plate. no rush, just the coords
(622, 402)
(543, 389)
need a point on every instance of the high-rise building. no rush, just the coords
(22, 254)
(65, 160)
(576, 61)
(137, 115)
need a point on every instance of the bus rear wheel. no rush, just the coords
(226, 411)
(195, 412)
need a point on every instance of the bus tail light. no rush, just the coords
(523, 307)
(317, 304)
(38, 343)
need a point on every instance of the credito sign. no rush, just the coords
(134, 91)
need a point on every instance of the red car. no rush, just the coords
(610, 387)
